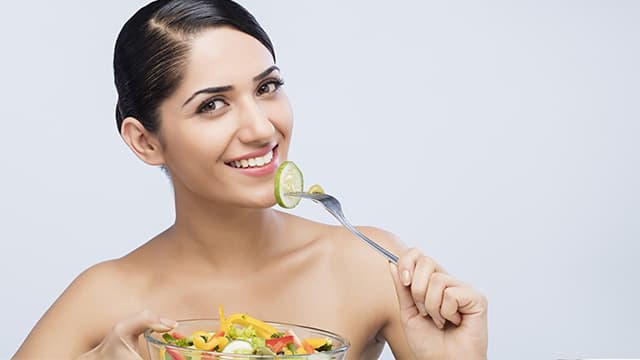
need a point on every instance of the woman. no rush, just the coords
(199, 92)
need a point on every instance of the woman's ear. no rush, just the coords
(144, 144)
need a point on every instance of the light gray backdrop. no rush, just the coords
(503, 136)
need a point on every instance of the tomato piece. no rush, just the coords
(175, 355)
(276, 345)
(177, 335)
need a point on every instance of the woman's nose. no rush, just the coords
(255, 125)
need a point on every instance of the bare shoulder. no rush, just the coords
(87, 308)
(340, 236)
(385, 238)
(371, 285)
(347, 251)
(103, 282)
(355, 248)
(94, 279)
(372, 263)
(367, 268)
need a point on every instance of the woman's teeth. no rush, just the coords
(253, 162)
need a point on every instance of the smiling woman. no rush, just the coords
(152, 50)
(238, 100)
(199, 93)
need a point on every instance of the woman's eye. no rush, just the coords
(212, 105)
(269, 87)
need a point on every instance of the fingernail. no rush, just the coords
(160, 327)
(421, 310)
(406, 278)
(168, 323)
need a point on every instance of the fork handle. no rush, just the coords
(386, 253)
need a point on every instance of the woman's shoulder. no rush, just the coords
(114, 285)
(102, 284)
(338, 231)
(87, 308)
(359, 272)
(106, 275)
(341, 238)
(347, 250)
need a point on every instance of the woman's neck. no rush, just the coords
(229, 238)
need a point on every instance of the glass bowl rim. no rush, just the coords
(346, 343)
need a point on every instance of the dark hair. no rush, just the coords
(152, 48)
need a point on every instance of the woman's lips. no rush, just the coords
(257, 165)
(254, 154)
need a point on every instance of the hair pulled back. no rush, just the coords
(152, 49)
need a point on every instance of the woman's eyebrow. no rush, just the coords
(209, 90)
(265, 73)
(219, 89)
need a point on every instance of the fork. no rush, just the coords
(332, 205)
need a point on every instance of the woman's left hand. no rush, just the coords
(442, 317)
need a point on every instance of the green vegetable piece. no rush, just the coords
(328, 346)
(288, 179)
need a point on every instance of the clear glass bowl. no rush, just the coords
(157, 345)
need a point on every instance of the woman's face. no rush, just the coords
(227, 127)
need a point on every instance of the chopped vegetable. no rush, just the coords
(263, 329)
(288, 179)
(174, 355)
(239, 347)
(317, 342)
(315, 189)
(213, 343)
(242, 334)
(327, 346)
(177, 340)
(277, 344)
(307, 347)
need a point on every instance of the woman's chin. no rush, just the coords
(262, 204)
(256, 197)
(260, 200)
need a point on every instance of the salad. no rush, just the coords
(242, 334)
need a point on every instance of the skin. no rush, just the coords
(227, 246)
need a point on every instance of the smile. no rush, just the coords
(253, 162)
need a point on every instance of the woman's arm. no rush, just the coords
(432, 315)
(81, 317)
(72, 325)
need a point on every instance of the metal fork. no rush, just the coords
(332, 205)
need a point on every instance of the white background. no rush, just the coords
(500, 137)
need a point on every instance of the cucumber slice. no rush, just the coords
(288, 179)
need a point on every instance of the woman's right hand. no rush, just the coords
(122, 342)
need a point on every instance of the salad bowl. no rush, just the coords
(178, 344)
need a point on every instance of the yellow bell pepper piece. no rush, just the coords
(199, 343)
(263, 329)
(200, 333)
(215, 341)
(316, 342)
(222, 342)
(223, 322)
